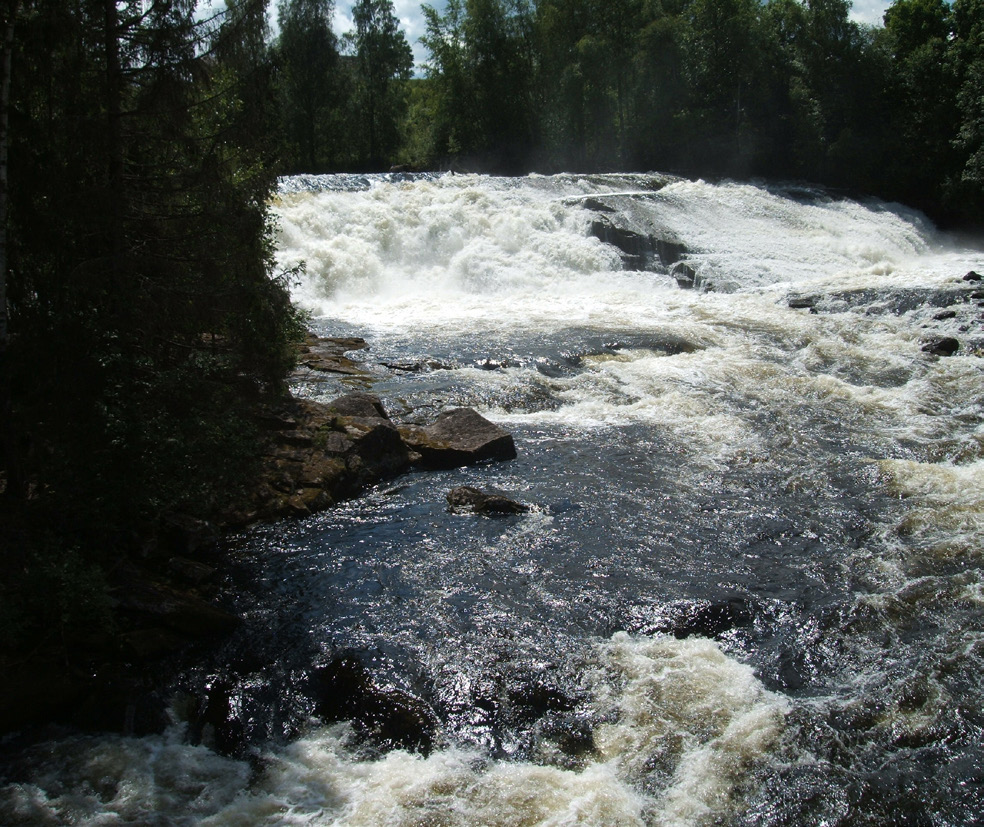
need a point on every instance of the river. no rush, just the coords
(749, 589)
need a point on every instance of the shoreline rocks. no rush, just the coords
(318, 454)
(313, 456)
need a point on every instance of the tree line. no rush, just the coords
(143, 322)
(778, 89)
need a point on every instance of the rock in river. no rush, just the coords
(465, 498)
(461, 436)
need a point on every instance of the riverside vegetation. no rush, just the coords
(145, 333)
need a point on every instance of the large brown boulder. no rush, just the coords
(461, 436)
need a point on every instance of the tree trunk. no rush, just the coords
(6, 63)
(114, 133)
(8, 459)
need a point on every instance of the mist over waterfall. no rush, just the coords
(749, 588)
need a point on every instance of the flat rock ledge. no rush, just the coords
(318, 454)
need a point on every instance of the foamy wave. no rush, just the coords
(682, 719)
(688, 711)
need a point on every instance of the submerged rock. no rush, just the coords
(944, 346)
(468, 499)
(461, 436)
(344, 690)
(639, 251)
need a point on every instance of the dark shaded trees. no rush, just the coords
(482, 76)
(310, 83)
(917, 39)
(384, 61)
(145, 321)
(721, 87)
(965, 191)
(451, 121)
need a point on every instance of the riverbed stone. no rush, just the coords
(638, 250)
(362, 405)
(345, 690)
(943, 346)
(458, 437)
(467, 499)
(685, 275)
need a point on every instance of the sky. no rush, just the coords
(412, 21)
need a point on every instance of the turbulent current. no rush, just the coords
(749, 589)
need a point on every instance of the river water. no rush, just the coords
(749, 589)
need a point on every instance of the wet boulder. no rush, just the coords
(943, 346)
(466, 499)
(344, 690)
(685, 275)
(639, 251)
(378, 452)
(802, 303)
(458, 437)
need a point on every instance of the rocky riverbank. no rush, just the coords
(163, 605)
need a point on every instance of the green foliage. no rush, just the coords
(310, 83)
(384, 61)
(966, 188)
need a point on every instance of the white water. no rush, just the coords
(632, 397)
(683, 704)
(495, 253)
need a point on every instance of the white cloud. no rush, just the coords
(411, 21)
(869, 11)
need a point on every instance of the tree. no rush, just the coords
(724, 48)
(307, 56)
(926, 117)
(484, 68)
(453, 122)
(384, 61)
(146, 323)
(966, 190)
